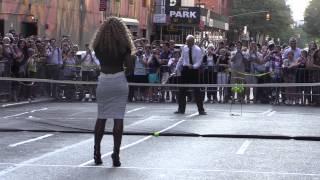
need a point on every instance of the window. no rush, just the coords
(144, 3)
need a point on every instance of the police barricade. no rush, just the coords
(288, 86)
(5, 86)
(275, 92)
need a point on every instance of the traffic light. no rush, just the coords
(268, 17)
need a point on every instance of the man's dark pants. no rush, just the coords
(190, 76)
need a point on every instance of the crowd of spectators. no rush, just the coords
(36, 57)
(235, 64)
(44, 58)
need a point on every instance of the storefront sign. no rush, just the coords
(171, 3)
(103, 5)
(184, 15)
(159, 18)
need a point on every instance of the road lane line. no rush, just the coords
(168, 169)
(20, 114)
(133, 110)
(37, 110)
(140, 122)
(30, 161)
(15, 115)
(134, 143)
(243, 147)
(192, 115)
(30, 140)
(267, 111)
(271, 113)
(13, 104)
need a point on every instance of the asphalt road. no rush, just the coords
(54, 141)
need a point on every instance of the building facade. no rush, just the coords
(221, 7)
(78, 19)
(175, 19)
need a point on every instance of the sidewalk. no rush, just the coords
(37, 100)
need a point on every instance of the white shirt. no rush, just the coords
(140, 68)
(196, 57)
(297, 53)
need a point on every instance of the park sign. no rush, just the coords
(184, 15)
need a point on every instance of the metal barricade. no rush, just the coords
(5, 86)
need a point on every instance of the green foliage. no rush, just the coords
(312, 22)
(279, 25)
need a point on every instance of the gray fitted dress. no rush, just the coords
(112, 95)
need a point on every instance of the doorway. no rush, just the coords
(29, 29)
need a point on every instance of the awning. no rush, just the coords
(130, 21)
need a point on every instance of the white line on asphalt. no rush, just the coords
(30, 161)
(77, 113)
(36, 110)
(13, 104)
(31, 140)
(133, 110)
(134, 143)
(192, 115)
(271, 113)
(122, 148)
(166, 169)
(267, 111)
(243, 147)
(16, 115)
(140, 122)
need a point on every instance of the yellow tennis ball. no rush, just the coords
(156, 134)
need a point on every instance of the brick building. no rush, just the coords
(77, 18)
(221, 7)
(211, 19)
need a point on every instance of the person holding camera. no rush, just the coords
(140, 75)
(89, 70)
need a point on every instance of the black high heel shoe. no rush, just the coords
(115, 160)
(97, 156)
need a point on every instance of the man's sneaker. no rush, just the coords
(202, 113)
(178, 112)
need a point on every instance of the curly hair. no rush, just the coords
(112, 40)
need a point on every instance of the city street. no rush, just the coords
(54, 141)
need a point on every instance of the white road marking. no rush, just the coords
(20, 114)
(15, 115)
(30, 140)
(133, 110)
(13, 104)
(133, 144)
(192, 115)
(140, 122)
(77, 113)
(169, 169)
(37, 110)
(30, 161)
(271, 113)
(267, 111)
(243, 147)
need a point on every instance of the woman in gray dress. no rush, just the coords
(113, 47)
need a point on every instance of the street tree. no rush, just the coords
(312, 23)
(278, 25)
